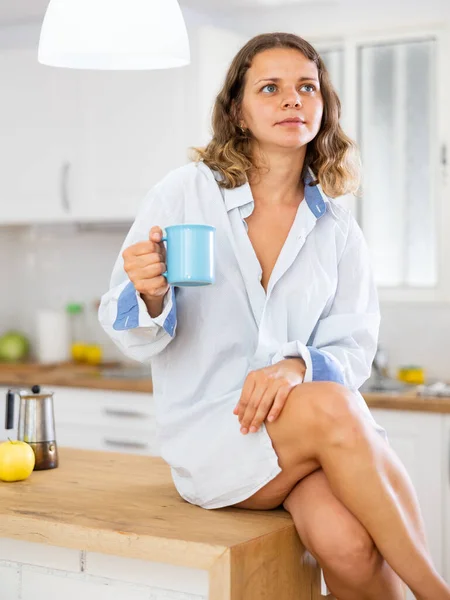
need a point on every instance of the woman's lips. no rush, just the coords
(291, 123)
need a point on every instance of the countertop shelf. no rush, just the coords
(93, 377)
(74, 375)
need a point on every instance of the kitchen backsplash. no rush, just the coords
(49, 266)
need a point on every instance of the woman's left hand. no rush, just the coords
(265, 392)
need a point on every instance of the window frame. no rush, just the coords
(350, 43)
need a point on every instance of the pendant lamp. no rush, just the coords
(114, 35)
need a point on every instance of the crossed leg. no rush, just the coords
(321, 431)
(352, 566)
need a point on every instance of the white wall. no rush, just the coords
(47, 267)
(50, 266)
(332, 20)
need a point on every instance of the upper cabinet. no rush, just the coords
(80, 145)
(39, 138)
(133, 134)
(212, 50)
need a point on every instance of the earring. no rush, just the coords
(244, 131)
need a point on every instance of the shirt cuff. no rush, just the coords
(167, 319)
(133, 313)
(295, 350)
(320, 365)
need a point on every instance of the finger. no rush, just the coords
(148, 272)
(264, 407)
(247, 389)
(146, 260)
(252, 406)
(156, 232)
(156, 236)
(279, 402)
(152, 287)
(140, 248)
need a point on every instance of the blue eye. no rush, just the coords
(309, 85)
(269, 85)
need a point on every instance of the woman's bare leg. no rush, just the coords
(321, 422)
(352, 566)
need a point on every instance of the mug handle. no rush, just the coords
(164, 239)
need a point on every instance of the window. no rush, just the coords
(334, 62)
(397, 137)
(394, 92)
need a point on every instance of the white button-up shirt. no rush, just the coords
(321, 304)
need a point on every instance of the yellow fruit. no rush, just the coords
(93, 354)
(16, 460)
(78, 349)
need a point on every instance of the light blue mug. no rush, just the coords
(190, 254)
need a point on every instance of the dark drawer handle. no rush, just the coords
(125, 444)
(128, 414)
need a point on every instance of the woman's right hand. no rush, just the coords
(145, 263)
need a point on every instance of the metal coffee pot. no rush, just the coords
(36, 424)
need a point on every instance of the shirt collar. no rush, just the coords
(318, 203)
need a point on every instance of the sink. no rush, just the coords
(127, 373)
(385, 384)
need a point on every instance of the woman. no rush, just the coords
(293, 303)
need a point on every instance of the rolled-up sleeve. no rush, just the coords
(122, 312)
(344, 341)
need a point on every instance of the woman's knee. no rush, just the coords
(332, 410)
(352, 557)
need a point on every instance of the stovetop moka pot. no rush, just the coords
(36, 424)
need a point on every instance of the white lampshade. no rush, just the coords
(114, 35)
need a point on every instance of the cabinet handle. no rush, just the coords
(65, 168)
(117, 412)
(125, 444)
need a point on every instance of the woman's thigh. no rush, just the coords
(294, 436)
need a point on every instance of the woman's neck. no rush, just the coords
(279, 181)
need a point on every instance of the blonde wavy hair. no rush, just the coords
(332, 155)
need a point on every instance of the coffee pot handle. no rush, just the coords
(9, 414)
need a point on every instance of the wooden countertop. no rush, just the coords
(85, 376)
(408, 401)
(71, 375)
(127, 505)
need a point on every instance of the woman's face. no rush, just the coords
(282, 103)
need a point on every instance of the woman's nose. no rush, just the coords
(292, 99)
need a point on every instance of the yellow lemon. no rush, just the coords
(93, 354)
(78, 350)
(16, 460)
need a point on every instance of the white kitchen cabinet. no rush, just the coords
(446, 496)
(39, 138)
(87, 146)
(97, 420)
(418, 440)
(105, 420)
(212, 49)
(80, 145)
(133, 134)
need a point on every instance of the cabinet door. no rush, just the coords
(417, 439)
(213, 49)
(446, 497)
(39, 129)
(105, 420)
(133, 135)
